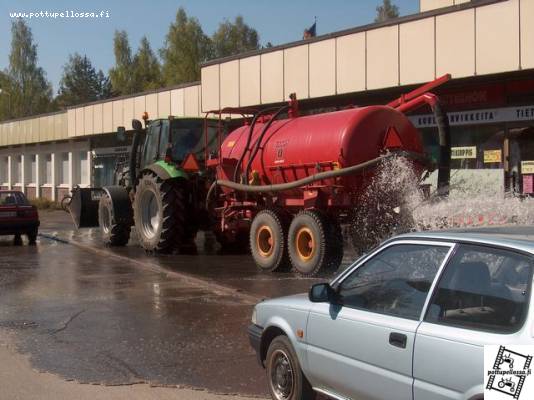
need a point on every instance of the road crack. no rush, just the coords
(67, 323)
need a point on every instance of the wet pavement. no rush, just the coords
(118, 316)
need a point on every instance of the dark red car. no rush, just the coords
(17, 216)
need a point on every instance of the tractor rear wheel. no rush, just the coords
(315, 243)
(113, 233)
(268, 237)
(159, 213)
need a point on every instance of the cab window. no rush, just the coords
(396, 281)
(150, 151)
(483, 288)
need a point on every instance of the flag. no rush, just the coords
(311, 31)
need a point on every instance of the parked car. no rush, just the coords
(17, 216)
(408, 321)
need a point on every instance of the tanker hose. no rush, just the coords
(444, 165)
(312, 178)
(249, 138)
(260, 139)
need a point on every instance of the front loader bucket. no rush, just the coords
(83, 207)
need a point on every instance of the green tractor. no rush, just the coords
(161, 189)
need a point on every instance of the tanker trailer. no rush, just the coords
(289, 183)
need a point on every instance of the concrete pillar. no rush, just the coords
(72, 169)
(54, 175)
(23, 171)
(10, 172)
(38, 175)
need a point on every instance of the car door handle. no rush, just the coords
(398, 339)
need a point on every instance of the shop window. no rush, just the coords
(33, 169)
(84, 168)
(3, 169)
(473, 146)
(48, 168)
(63, 170)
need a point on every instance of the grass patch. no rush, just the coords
(45, 204)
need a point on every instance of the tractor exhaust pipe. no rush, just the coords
(138, 128)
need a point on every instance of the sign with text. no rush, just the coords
(458, 153)
(492, 156)
(527, 167)
(477, 117)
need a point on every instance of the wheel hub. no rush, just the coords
(305, 244)
(265, 241)
(150, 215)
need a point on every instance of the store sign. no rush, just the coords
(477, 117)
(527, 167)
(460, 153)
(492, 156)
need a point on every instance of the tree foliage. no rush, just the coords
(121, 75)
(234, 37)
(386, 11)
(25, 90)
(186, 47)
(146, 68)
(81, 83)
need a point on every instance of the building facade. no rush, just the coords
(486, 45)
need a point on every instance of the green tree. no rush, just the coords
(146, 68)
(25, 90)
(234, 37)
(121, 74)
(81, 83)
(186, 47)
(386, 11)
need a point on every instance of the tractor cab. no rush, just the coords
(176, 140)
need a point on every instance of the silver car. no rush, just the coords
(407, 321)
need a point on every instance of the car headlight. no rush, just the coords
(254, 317)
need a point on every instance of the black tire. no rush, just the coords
(314, 243)
(159, 213)
(284, 376)
(113, 233)
(268, 238)
(17, 240)
(32, 236)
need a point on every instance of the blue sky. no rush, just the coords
(277, 21)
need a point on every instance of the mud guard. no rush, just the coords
(166, 171)
(122, 206)
(83, 207)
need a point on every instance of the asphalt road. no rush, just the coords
(118, 316)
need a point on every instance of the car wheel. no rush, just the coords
(17, 240)
(32, 236)
(285, 377)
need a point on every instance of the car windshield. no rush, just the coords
(12, 199)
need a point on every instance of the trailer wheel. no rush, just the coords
(268, 234)
(159, 213)
(314, 243)
(113, 234)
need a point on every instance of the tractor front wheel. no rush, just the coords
(159, 213)
(113, 233)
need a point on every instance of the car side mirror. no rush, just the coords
(321, 293)
(136, 125)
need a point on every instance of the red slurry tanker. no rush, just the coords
(281, 184)
(286, 185)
